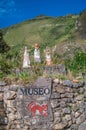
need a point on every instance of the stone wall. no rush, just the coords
(3, 117)
(68, 102)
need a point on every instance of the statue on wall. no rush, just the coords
(26, 60)
(48, 56)
(37, 53)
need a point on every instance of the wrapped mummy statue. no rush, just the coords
(37, 53)
(26, 60)
(48, 57)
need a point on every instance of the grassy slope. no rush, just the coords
(46, 30)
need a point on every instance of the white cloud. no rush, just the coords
(7, 7)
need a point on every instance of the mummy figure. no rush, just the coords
(48, 57)
(37, 54)
(26, 60)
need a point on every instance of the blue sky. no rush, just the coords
(15, 11)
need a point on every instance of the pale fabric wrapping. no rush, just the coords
(26, 61)
(37, 55)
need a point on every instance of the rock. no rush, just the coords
(69, 95)
(54, 103)
(67, 105)
(57, 114)
(63, 104)
(57, 119)
(77, 114)
(69, 129)
(82, 126)
(11, 117)
(69, 90)
(2, 83)
(55, 85)
(69, 123)
(68, 83)
(55, 95)
(11, 104)
(74, 127)
(80, 97)
(14, 87)
(81, 83)
(66, 110)
(61, 81)
(75, 85)
(68, 117)
(60, 126)
(84, 94)
(1, 89)
(81, 118)
(10, 95)
(56, 81)
(81, 90)
(1, 96)
(18, 126)
(60, 89)
(75, 81)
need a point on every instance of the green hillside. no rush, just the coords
(42, 29)
(47, 31)
(64, 35)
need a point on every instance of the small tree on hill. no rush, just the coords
(3, 46)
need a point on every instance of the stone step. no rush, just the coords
(2, 114)
(2, 127)
(3, 121)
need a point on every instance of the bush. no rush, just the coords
(78, 64)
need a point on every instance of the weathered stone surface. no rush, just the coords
(60, 126)
(63, 104)
(68, 105)
(1, 96)
(80, 97)
(54, 103)
(55, 95)
(11, 117)
(74, 127)
(54, 70)
(2, 83)
(57, 119)
(77, 114)
(1, 89)
(57, 114)
(68, 117)
(68, 83)
(34, 102)
(66, 110)
(82, 126)
(81, 83)
(73, 84)
(60, 89)
(10, 95)
(69, 90)
(54, 84)
(81, 118)
(56, 81)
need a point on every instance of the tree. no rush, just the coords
(82, 20)
(3, 46)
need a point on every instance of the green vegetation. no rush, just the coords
(78, 63)
(47, 31)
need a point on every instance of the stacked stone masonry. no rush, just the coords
(68, 102)
(3, 117)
